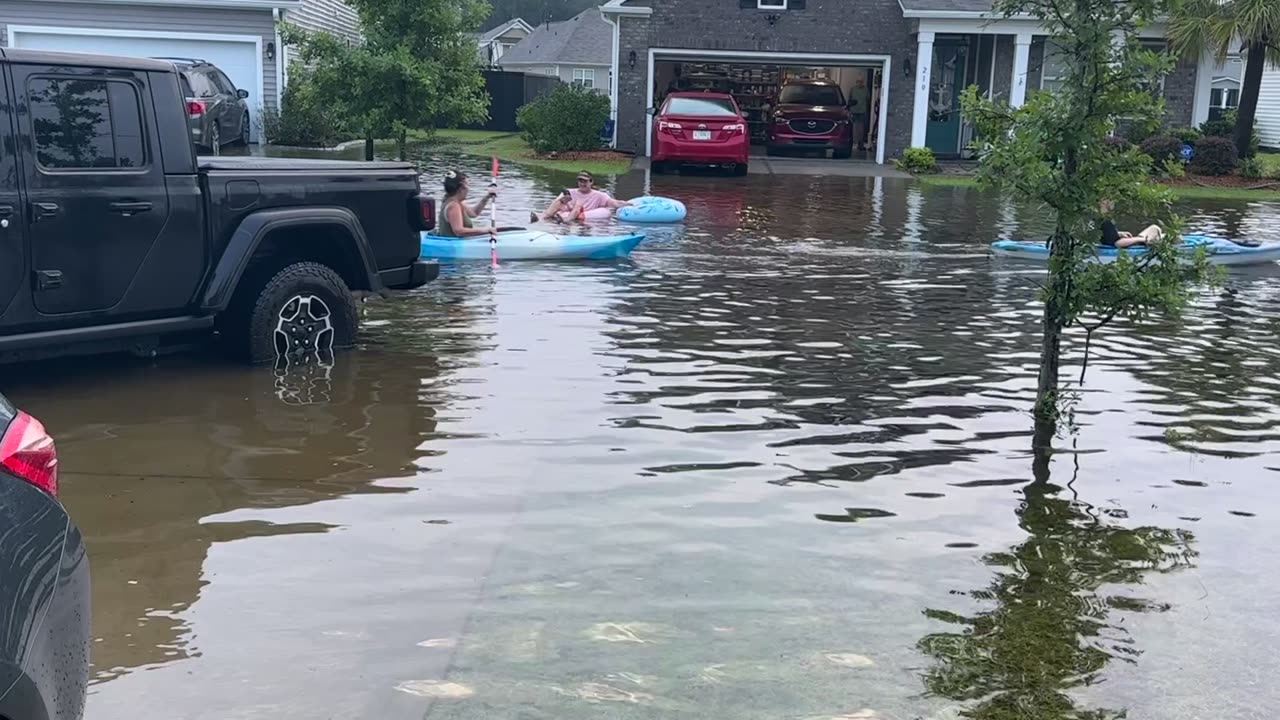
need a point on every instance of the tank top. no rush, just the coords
(446, 229)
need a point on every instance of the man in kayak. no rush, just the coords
(573, 205)
(1111, 237)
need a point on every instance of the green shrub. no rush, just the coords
(568, 119)
(306, 118)
(917, 161)
(1214, 156)
(1225, 126)
(1172, 169)
(1161, 149)
(1188, 136)
(1252, 168)
(1118, 143)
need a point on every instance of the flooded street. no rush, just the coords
(773, 466)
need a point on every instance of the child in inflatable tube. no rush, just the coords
(580, 204)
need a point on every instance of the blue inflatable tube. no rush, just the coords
(652, 209)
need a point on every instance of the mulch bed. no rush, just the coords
(592, 156)
(1234, 182)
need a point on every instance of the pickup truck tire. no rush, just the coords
(304, 309)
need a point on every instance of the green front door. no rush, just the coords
(946, 81)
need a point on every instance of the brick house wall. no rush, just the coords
(870, 27)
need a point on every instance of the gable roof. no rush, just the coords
(587, 39)
(491, 35)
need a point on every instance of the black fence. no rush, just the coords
(508, 92)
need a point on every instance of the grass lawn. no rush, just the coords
(1185, 192)
(512, 148)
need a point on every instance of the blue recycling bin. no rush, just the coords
(606, 133)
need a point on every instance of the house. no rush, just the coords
(904, 62)
(239, 36)
(493, 44)
(1268, 117)
(577, 51)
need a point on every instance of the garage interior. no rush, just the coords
(755, 87)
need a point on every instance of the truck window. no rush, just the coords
(86, 124)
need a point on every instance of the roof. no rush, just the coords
(42, 57)
(946, 6)
(587, 39)
(490, 35)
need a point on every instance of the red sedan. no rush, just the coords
(696, 128)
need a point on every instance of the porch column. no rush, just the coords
(1021, 63)
(1204, 88)
(924, 68)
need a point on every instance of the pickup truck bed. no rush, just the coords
(121, 237)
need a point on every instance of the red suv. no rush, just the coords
(812, 115)
(697, 128)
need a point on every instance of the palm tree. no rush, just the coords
(1197, 26)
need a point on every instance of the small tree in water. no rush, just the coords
(1055, 151)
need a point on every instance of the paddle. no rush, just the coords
(493, 215)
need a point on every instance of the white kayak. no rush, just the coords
(1217, 251)
(530, 245)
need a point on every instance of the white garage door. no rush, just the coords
(237, 56)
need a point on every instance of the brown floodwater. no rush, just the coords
(772, 466)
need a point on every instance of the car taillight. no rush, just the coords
(27, 451)
(735, 128)
(424, 211)
(670, 127)
(195, 108)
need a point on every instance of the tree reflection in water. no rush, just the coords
(1050, 629)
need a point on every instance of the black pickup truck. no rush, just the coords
(114, 236)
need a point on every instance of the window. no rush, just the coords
(811, 95)
(700, 107)
(200, 85)
(1053, 70)
(1220, 98)
(584, 78)
(224, 83)
(83, 124)
(1233, 98)
(1215, 98)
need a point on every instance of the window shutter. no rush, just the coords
(796, 5)
(747, 4)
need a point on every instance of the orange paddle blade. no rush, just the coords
(495, 166)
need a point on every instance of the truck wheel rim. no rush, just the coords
(304, 326)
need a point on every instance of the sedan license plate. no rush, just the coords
(701, 134)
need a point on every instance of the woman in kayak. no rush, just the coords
(1111, 237)
(456, 219)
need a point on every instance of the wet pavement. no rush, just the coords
(773, 466)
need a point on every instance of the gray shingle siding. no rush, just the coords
(150, 18)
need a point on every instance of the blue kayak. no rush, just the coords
(652, 209)
(530, 245)
(1217, 251)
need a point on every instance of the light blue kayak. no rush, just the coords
(1217, 251)
(652, 209)
(530, 245)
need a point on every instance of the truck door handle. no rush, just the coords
(6, 211)
(130, 208)
(48, 279)
(41, 210)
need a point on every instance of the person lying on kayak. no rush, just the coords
(456, 219)
(574, 204)
(1111, 237)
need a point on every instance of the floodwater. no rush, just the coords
(773, 466)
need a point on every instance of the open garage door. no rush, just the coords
(761, 83)
(239, 56)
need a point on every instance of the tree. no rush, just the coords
(416, 69)
(1054, 151)
(1217, 26)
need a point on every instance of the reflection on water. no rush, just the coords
(1050, 625)
(740, 474)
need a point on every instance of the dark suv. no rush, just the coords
(216, 110)
(812, 115)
